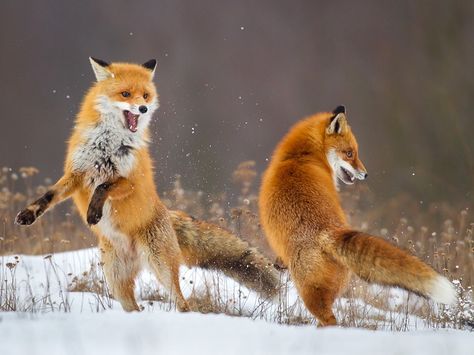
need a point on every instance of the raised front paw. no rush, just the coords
(94, 214)
(25, 217)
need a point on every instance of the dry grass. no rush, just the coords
(440, 234)
(58, 230)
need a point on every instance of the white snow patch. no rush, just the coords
(173, 333)
(88, 323)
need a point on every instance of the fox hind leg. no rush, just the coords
(120, 270)
(164, 259)
(319, 301)
(168, 275)
(319, 281)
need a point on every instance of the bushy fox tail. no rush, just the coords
(376, 260)
(210, 247)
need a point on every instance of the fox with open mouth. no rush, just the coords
(305, 225)
(109, 174)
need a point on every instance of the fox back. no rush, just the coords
(301, 182)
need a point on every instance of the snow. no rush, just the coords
(56, 321)
(115, 332)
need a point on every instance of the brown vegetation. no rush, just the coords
(440, 234)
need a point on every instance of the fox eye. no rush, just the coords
(125, 94)
(145, 96)
(349, 153)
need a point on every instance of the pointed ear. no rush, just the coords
(100, 69)
(339, 109)
(150, 65)
(337, 124)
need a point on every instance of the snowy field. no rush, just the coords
(163, 332)
(59, 305)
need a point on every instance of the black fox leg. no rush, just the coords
(59, 192)
(94, 211)
(36, 209)
(114, 190)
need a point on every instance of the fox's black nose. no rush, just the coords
(366, 176)
(143, 109)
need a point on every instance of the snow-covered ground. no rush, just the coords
(56, 321)
(163, 332)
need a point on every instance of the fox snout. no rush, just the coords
(346, 170)
(143, 109)
(360, 171)
(362, 175)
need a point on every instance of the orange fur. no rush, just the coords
(117, 196)
(306, 226)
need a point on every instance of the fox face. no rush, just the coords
(125, 93)
(342, 150)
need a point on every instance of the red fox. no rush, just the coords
(306, 226)
(109, 174)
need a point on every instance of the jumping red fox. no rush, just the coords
(108, 172)
(306, 226)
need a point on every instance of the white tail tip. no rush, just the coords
(442, 291)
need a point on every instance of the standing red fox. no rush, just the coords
(109, 174)
(306, 226)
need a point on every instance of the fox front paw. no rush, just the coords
(25, 217)
(94, 215)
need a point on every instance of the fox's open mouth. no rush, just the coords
(131, 120)
(347, 176)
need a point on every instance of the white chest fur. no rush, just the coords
(108, 151)
(108, 228)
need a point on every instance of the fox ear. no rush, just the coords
(100, 69)
(339, 109)
(150, 65)
(337, 124)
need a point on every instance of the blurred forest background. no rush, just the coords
(233, 76)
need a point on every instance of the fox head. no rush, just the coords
(341, 149)
(125, 93)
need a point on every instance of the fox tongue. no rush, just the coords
(132, 121)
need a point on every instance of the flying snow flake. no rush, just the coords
(242, 28)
